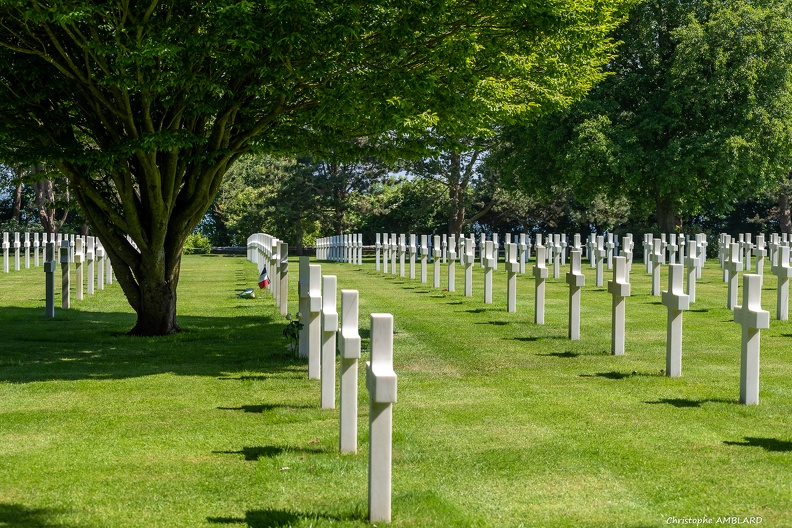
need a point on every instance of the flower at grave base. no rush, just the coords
(288, 317)
(299, 315)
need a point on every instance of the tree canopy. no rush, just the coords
(696, 114)
(144, 106)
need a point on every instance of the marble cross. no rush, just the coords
(576, 281)
(381, 384)
(783, 271)
(676, 301)
(489, 265)
(79, 258)
(49, 280)
(402, 253)
(329, 329)
(377, 250)
(451, 257)
(760, 253)
(65, 258)
(752, 318)
(656, 259)
(436, 261)
(468, 258)
(600, 254)
(413, 252)
(512, 268)
(349, 350)
(540, 274)
(691, 261)
(733, 266)
(619, 288)
(424, 256)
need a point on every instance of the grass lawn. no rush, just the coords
(499, 422)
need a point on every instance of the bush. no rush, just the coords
(197, 243)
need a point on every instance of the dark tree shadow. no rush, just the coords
(682, 402)
(272, 518)
(258, 409)
(21, 516)
(80, 344)
(613, 375)
(256, 452)
(769, 444)
(561, 354)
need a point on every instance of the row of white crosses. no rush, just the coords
(270, 253)
(319, 339)
(38, 243)
(83, 252)
(341, 248)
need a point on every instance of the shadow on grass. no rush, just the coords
(494, 323)
(272, 518)
(682, 403)
(455, 302)
(252, 454)
(475, 310)
(531, 339)
(79, 344)
(24, 517)
(560, 354)
(769, 444)
(613, 375)
(258, 409)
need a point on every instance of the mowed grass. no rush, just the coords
(500, 422)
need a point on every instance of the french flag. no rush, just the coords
(264, 279)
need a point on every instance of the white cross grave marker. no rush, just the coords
(27, 250)
(676, 301)
(599, 257)
(489, 265)
(349, 350)
(468, 257)
(451, 256)
(89, 263)
(329, 329)
(576, 281)
(783, 271)
(733, 266)
(540, 274)
(49, 280)
(65, 278)
(402, 253)
(377, 250)
(512, 268)
(619, 288)
(760, 253)
(413, 248)
(424, 256)
(436, 260)
(381, 384)
(79, 258)
(691, 261)
(752, 318)
(5, 252)
(16, 251)
(656, 259)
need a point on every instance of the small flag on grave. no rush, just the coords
(264, 280)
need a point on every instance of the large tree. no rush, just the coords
(697, 113)
(144, 105)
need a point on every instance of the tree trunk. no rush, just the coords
(666, 219)
(456, 196)
(784, 214)
(156, 314)
(17, 214)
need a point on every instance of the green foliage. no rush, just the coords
(696, 115)
(197, 243)
(145, 106)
